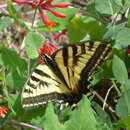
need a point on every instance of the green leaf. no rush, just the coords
(123, 39)
(90, 7)
(97, 76)
(49, 121)
(127, 84)
(106, 6)
(82, 118)
(127, 3)
(33, 41)
(1, 75)
(119, 2)
(123, 105)
(12, 61)
(14, 104)
(107, 69)
(65, 114)
(31, 115)
(2, 14)
(15, 81)
(4, 22)
(88, 26)
(124, 123)
(111, 30)
(119, 70)
(103, 119)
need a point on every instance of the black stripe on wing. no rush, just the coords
(35, 78)
(28, 91)
(83, 49)
(100, 52)
(54, 67)
(65, 56)
(98, 55)
(40, 72)
(74, 54)
(51, 97)
(31, 85)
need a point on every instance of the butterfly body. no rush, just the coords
(65, 75)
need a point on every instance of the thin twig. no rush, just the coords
(107, 97)
(24, 124)
(102, 100)
(4, 11)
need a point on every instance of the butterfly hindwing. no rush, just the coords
(65, 74)
(43, 86)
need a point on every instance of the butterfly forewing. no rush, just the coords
(78, 61)
(65, 74)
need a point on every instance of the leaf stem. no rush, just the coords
(116, 88)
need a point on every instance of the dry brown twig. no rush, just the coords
(23, 124)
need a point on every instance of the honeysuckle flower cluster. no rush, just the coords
(49, 47)
(46, 47)
(3, 110)
(46, 5)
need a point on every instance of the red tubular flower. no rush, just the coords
(36, 3)
(61, 5)
(58, 34)
(39, 59)
(58, 14)
(46, 47)
(53, 46)
(46, 21)
(23, 2)
(46, 5)
(3, 110)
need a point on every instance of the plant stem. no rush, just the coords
(24, 124)
(118, 91)
(34, 17)
(107, 96)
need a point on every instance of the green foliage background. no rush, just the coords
(95, 23)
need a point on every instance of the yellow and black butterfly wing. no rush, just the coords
(65, 74)
(77, 62)
(43, 86)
